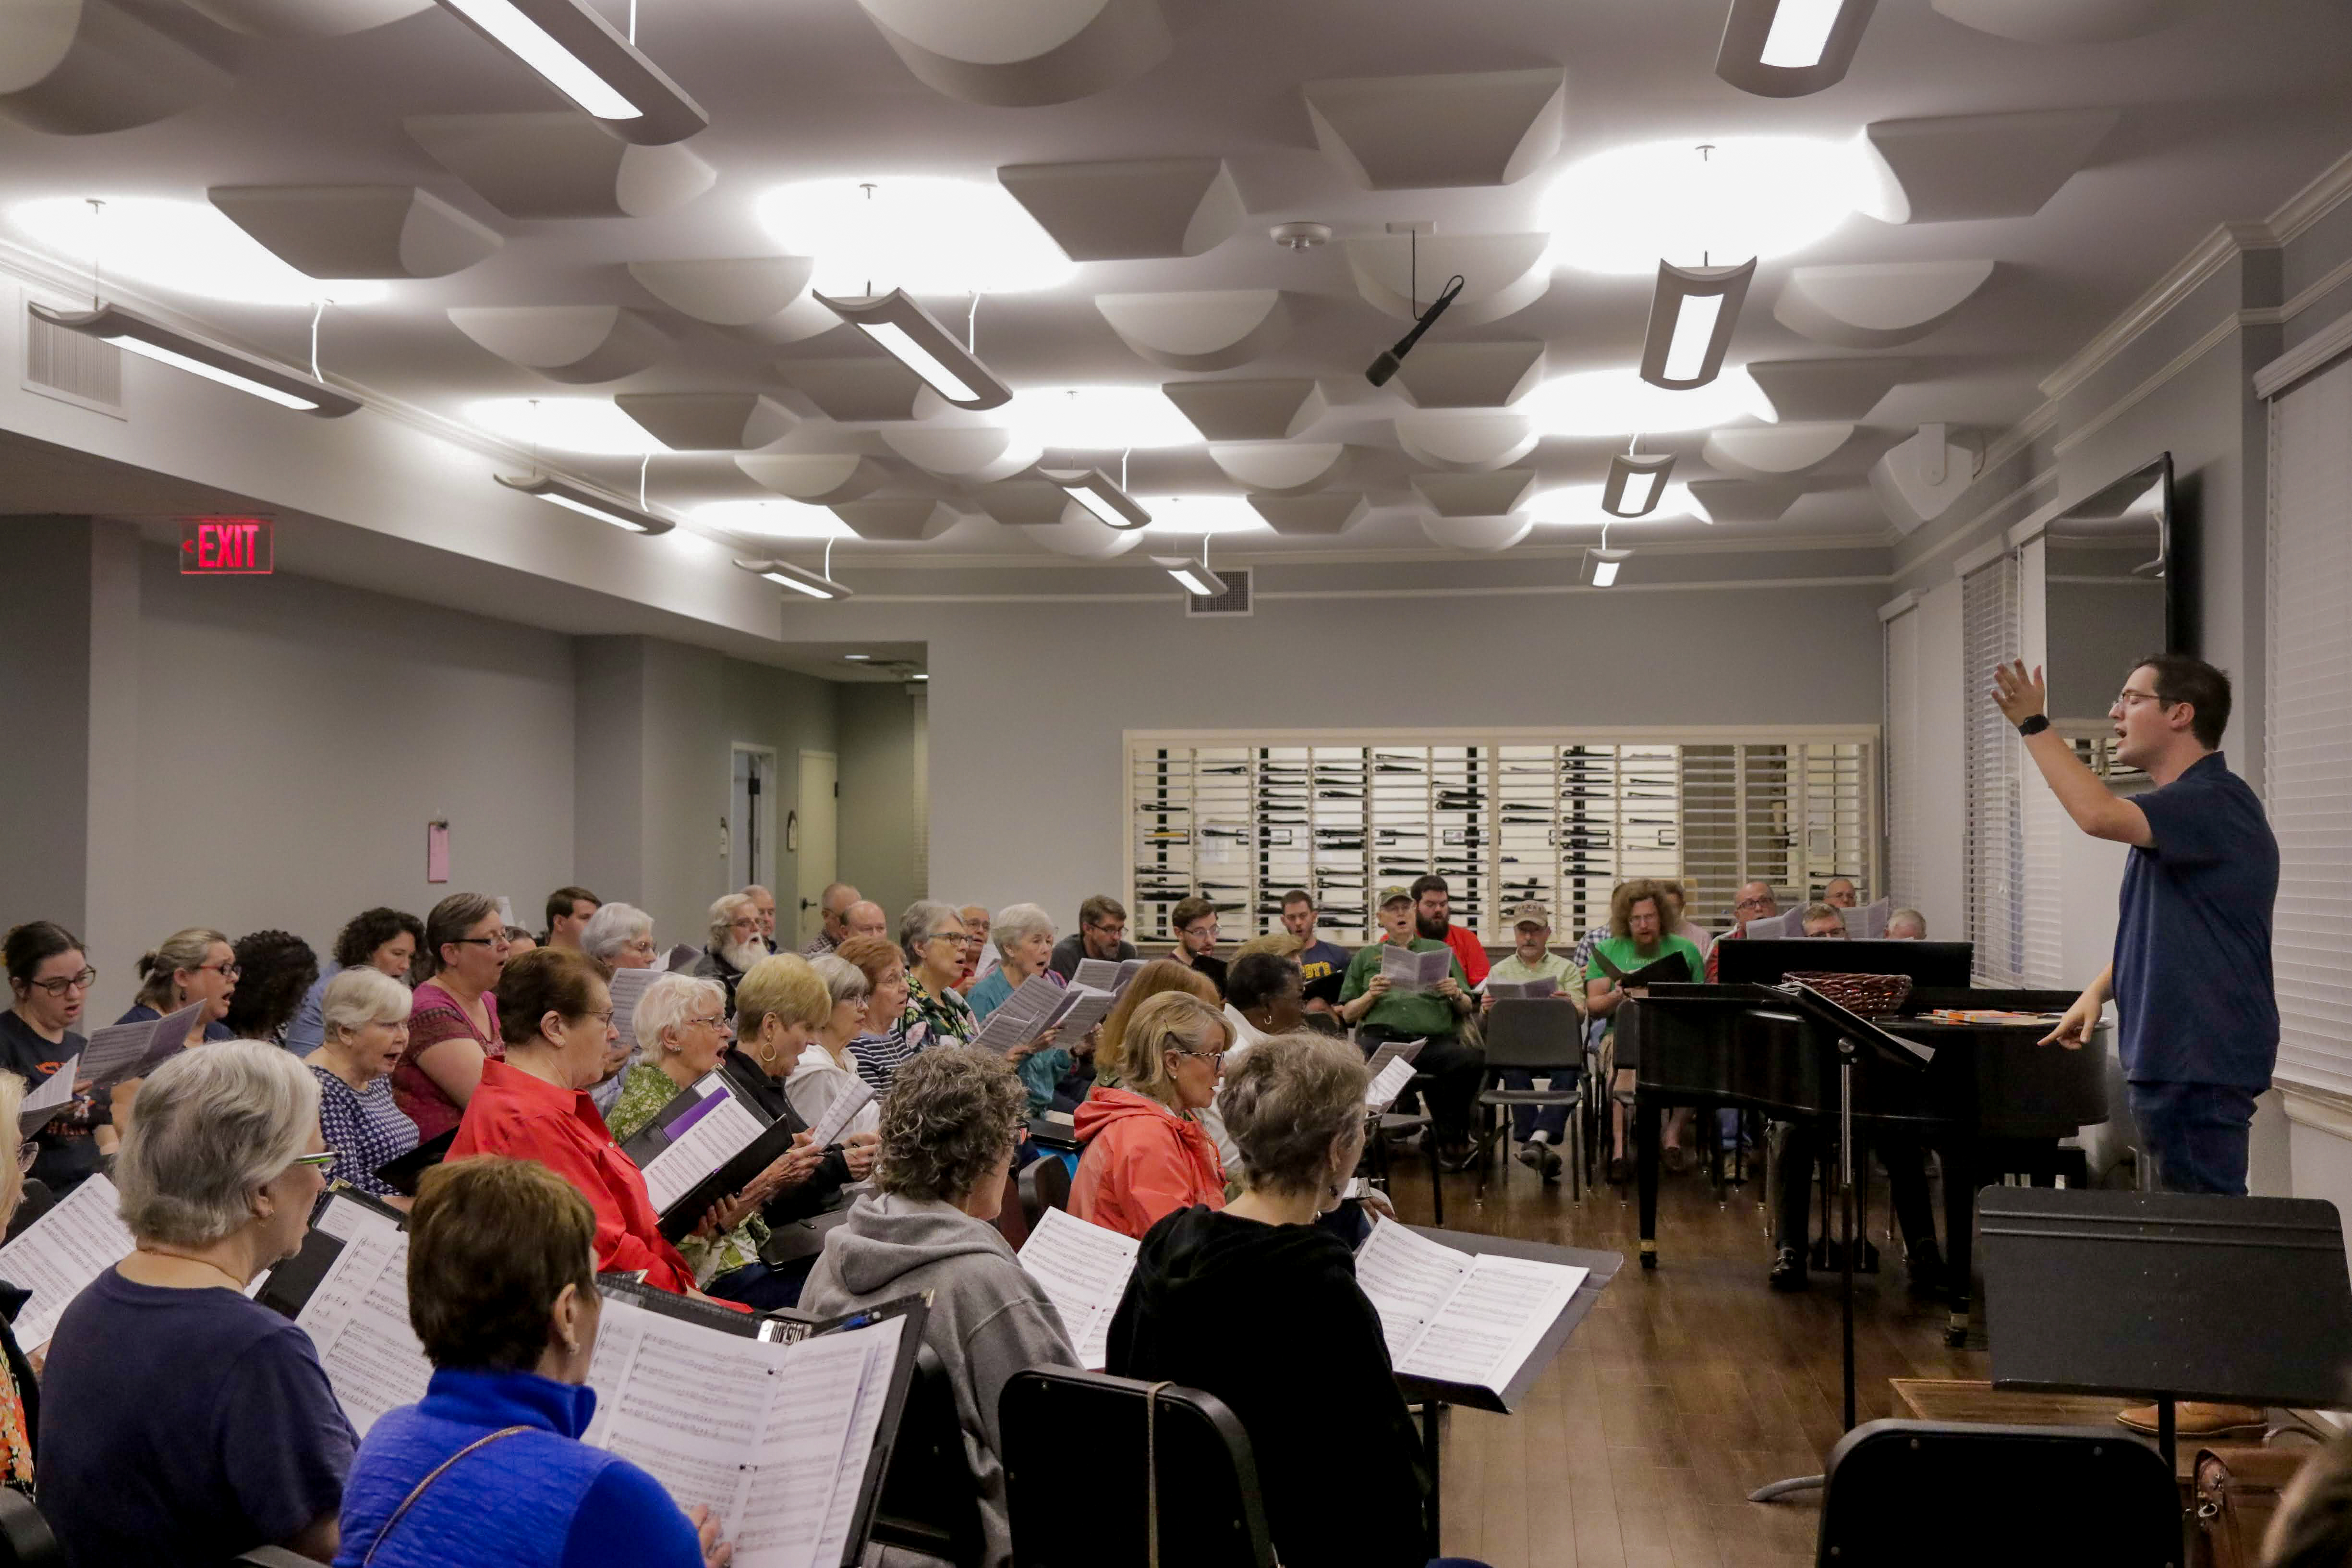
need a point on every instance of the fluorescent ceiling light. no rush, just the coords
(580, 54)
(1601, 566)
(912, 336)
(591, 426)
(1787, 48)
(1692, 317)
(1636, 485)
(1198, 514)
(924, 235)
(858, 658)
(1097, 419)
(1585, 506)
(188, 248)
(799, 579)
(772, 519)
(1191, 575)
(919, 675)
(1620, 403)
(589, 502)
(1093, 489)
(1619, 211)
(246, 372)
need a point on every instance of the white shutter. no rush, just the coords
(2308, 758)
(1902, 757)
(1996, 837)
(2041, 961)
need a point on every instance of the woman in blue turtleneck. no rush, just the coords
(502, 1292)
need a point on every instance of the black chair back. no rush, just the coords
(1536, 1034)
(1929, 1494)
(274, 1557)
(26, 1539)
(1210, 1516)
(928, 1501)
(1044, 1184)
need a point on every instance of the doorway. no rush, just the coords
(751, 812)
(819, 804)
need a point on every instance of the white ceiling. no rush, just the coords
(2222, 116)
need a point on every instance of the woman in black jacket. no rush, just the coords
(1259, 1306)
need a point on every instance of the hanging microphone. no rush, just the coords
(1386, 365)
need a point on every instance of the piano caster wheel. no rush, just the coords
(1649, 1255)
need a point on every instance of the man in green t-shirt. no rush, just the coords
(1380, 1013)
(1637, 936)
(1539, 1131)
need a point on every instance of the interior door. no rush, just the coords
(819, 792)
(751, 817)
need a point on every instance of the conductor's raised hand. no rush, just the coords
(2074, 1030)
(716, 1553)
(2018, 695)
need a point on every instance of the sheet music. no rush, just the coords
(358, 1317)
(873, 1397)
(1391, 1082)
(685, 1401)
(61, 1253)
(1083, 1269)
(723, 1127)
(43, 1103)
(120, 1051)
(792, 1482)
(1409, 973)
(846, 1105)
(629, 988)
(1543, 985)
(1022, 1016)
(1087, 1006)
(1870, 920)
(683, 958)
(1454, 1318)
(1128, 970)
(1102, 974)
(1390, 1050)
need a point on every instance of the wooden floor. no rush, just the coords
(1684, 1389)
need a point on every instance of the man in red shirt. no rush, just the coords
(1756, 902)
(1431, 920)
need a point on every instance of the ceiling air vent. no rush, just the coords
(71, 367)
(1234, 601)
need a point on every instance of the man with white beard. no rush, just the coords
(735, 943)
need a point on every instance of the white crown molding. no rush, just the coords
(2320, 349)
(2314, 202)
(1902, 603)
(2220, 332)
(1984, 555)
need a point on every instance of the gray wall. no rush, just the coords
(878, 846)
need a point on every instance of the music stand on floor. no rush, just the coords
(2171, 1296)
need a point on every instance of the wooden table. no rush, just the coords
(1955, 1399)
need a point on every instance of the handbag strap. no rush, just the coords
(437, 1473)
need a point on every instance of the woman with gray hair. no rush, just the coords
(933, 937)
(363, 1034)
(183, 1424)
(1315, 1361)
(949, 1132)
(734, 945)
(619, 936)
(825, 1070)
(1024, 935)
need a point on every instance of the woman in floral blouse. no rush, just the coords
(935, 940)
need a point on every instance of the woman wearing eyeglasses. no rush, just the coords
(193, 966)
(1147, 1152)
(455, 1028)
(935, 940)
(181, 1423)
(48, 982)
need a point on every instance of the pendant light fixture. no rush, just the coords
(916, 339)
(1691, 320)
(579, 54)
(1095, 490)
(589, 502)
(1601, 564)
(246, 372)
(1787, 49)
(1636, 484)
(800, 580)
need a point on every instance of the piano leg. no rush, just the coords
(1646, 1174)
(1959, 1235)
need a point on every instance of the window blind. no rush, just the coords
(2308, 756)
(1995, 847)
(1239, 817)
(1901, 815)
(2041, 959)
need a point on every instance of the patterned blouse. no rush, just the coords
(948, 1018)
(438, 1017)
(363, 1127)
(645, 1089)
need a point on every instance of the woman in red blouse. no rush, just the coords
(557, 1018)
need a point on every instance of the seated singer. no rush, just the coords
(1638, 913)
(1380, 1013)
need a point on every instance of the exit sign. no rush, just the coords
(226, 547)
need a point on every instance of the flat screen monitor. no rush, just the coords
(1932, 965)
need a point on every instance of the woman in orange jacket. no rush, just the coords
(1146, 1154)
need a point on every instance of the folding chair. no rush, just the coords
(1543, 1038)
(26, 1539)
(1044, 1184)
(931, 1502)
(1095, 1516)
(1928, 1494)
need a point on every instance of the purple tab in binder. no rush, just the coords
(677, 1129)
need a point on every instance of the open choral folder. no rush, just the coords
(51, 1101)
(1392, 1069)
(347, 1289)
(61, 1253)
(122, 1051)
(1083, 1269)
(1103, 974)
(1670, 969)
(706, 1144)
(1409, 973)
(782, 1429)
(627, 988)
(1450, 1317)
(1513, 990)
(1039, 1005)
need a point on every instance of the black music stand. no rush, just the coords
(1853, 1036)
(2174, 1295)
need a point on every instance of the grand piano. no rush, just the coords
(1993, 1101)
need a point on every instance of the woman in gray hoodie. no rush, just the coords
(948, 1130)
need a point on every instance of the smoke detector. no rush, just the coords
(1300, 235)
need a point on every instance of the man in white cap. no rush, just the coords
(1540, 1129)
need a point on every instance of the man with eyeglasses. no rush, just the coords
(1754, 902)
(1194, 921)
(833, 907)
(1101, 933)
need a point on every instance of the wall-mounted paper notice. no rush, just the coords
(436, 851)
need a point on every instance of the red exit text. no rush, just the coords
(226, 547)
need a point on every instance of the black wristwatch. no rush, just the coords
(2033, 723)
